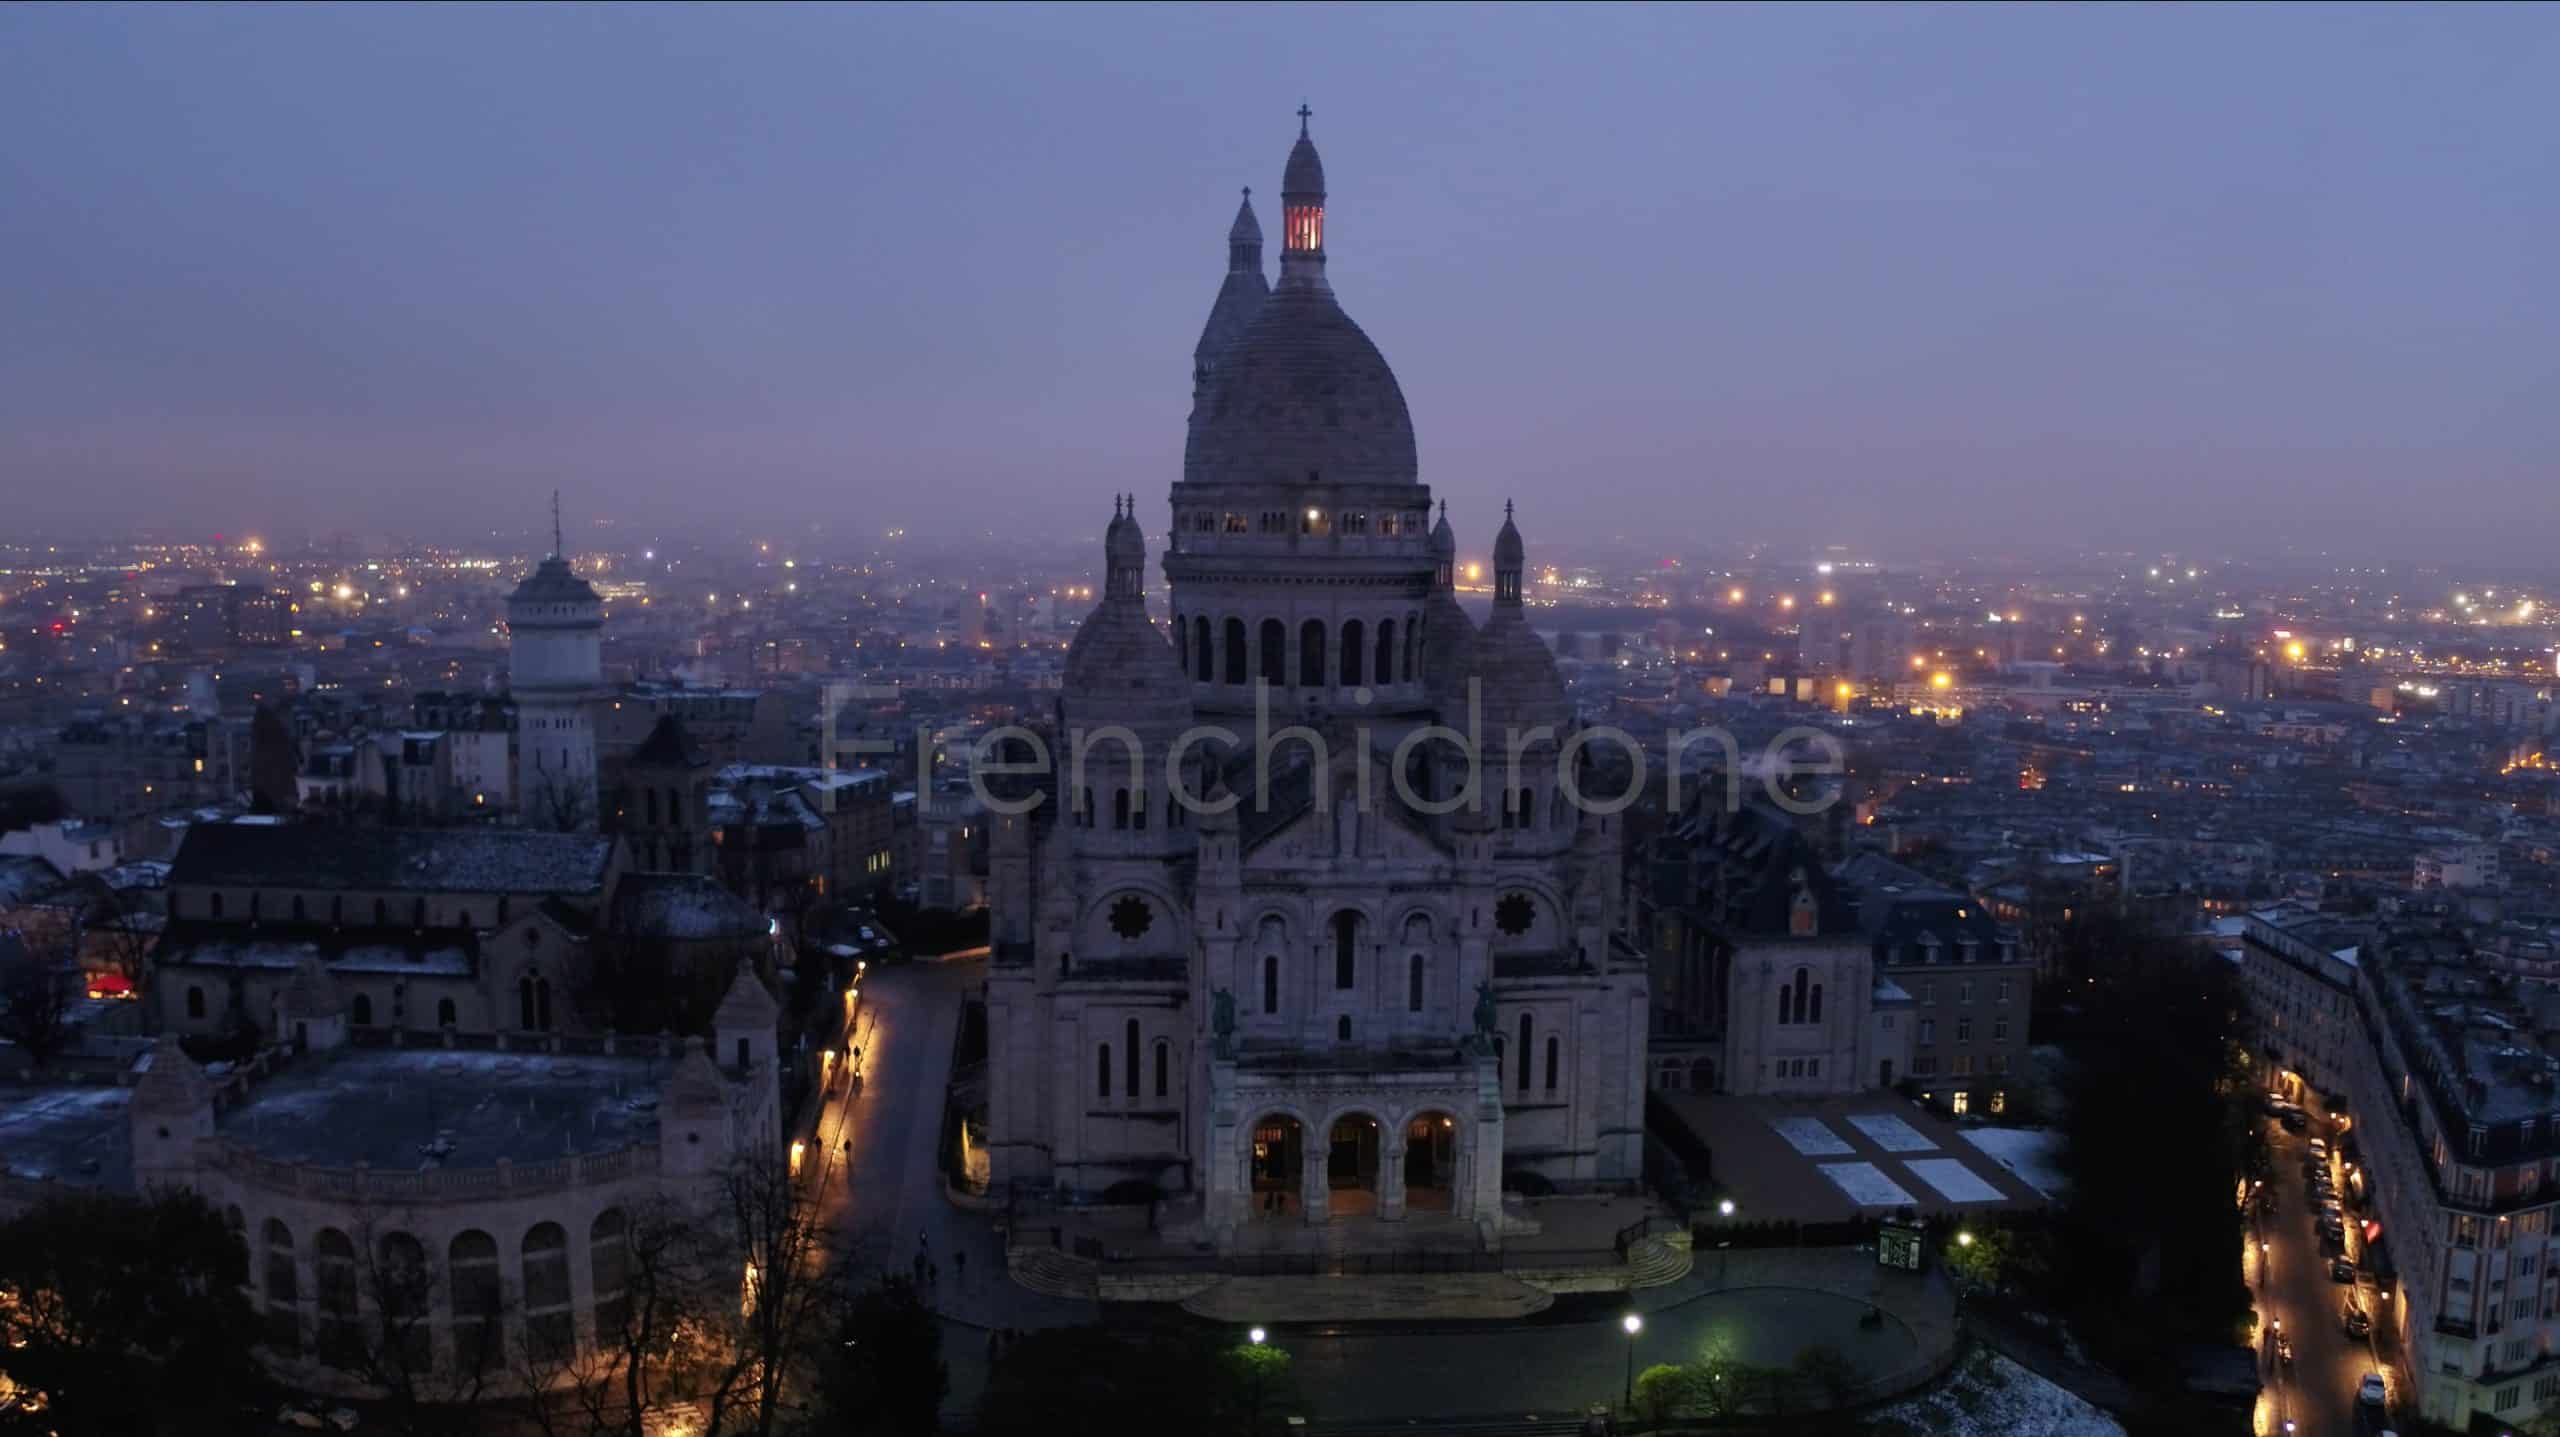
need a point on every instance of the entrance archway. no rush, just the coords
(1430, 1163)
(1351, 1166)
(1279, 1158)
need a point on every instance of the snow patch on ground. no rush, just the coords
(1953, 1180)
(1891, 1133)
(1811, 1137)
(1990, 1396)
(1865, 1183)
(2031, 1154)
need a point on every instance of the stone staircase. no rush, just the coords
(1656, 1261)
(1052, 1273)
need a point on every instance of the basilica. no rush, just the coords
(1302, 924)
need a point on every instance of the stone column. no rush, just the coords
(1391, 1193)
(1315, 1193)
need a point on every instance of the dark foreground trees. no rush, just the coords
(882, 1373)
(125, 1315)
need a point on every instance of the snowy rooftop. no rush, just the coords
(460, 860)
(70, 1134)
(401, 1110)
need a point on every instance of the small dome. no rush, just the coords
(1304, 177)
(1444, 540)
(173, 1083)
(1124, 545)
(1508, 552)
(748, 1004)
(1521, 688)
(1246, 229)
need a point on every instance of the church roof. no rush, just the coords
(1522, 689)
(681, 907)
(1120, 667)
(1246, 229)
(1302, 395)
(1304, 177)
(553, 582)
(416, 860)
(667, 747)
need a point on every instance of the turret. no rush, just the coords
(172, 1107)
(1302, 212)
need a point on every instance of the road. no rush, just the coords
(2291, 1277)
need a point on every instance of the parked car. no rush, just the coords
(2370, 1391)
(2356, 1320)
(2341, 1270)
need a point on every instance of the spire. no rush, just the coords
(1444, 551)
(1302, 211)
(556, 545)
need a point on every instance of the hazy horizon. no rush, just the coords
(1908, 280)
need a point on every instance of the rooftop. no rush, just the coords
(412, 1109)
(454, 860)
(68, 1134)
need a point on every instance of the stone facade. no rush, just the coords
(1267, 940)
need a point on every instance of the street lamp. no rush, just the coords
(1254, 1335)
(1633, 1324)
(1964, 1239)
(1725, 1208)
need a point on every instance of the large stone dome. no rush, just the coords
(1303, 396)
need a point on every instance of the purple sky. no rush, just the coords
(2227, 278)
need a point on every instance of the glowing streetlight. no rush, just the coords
(1633, 1324)
(1725, 1208)
(1964, 1239)
(1255, 1335)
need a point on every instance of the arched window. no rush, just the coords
(1201, 668)
(1346, 938)
(608, 1271)
(1528, 809)
(649, 806)
(1311, 654)
(524, 1003)
(1353, 651)
(1132, 1057)
(1815, 1015)
(1236, 665)
(1342, 1028)
(550, 1328)
(478, 1337)
(195, 1002)
(333, 1273)
(1102, 1071)
(284, 1290)
(1275, 652)
(1412, 646)
(1555, 1050)
(361, 1010)
(1386, 653)
(1119, 808)
(1270, 984)
(1138, 811)
(675, 808)
(1525, 1051)
(1413, 985)
(1164, 1068)
(444, 1013)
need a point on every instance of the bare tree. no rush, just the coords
(39, 990)
(561, 803)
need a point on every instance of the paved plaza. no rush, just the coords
(1832, 1159)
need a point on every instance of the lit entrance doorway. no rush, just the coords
(1279, 1162)
(1430, 1163)
(1351, 1167)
